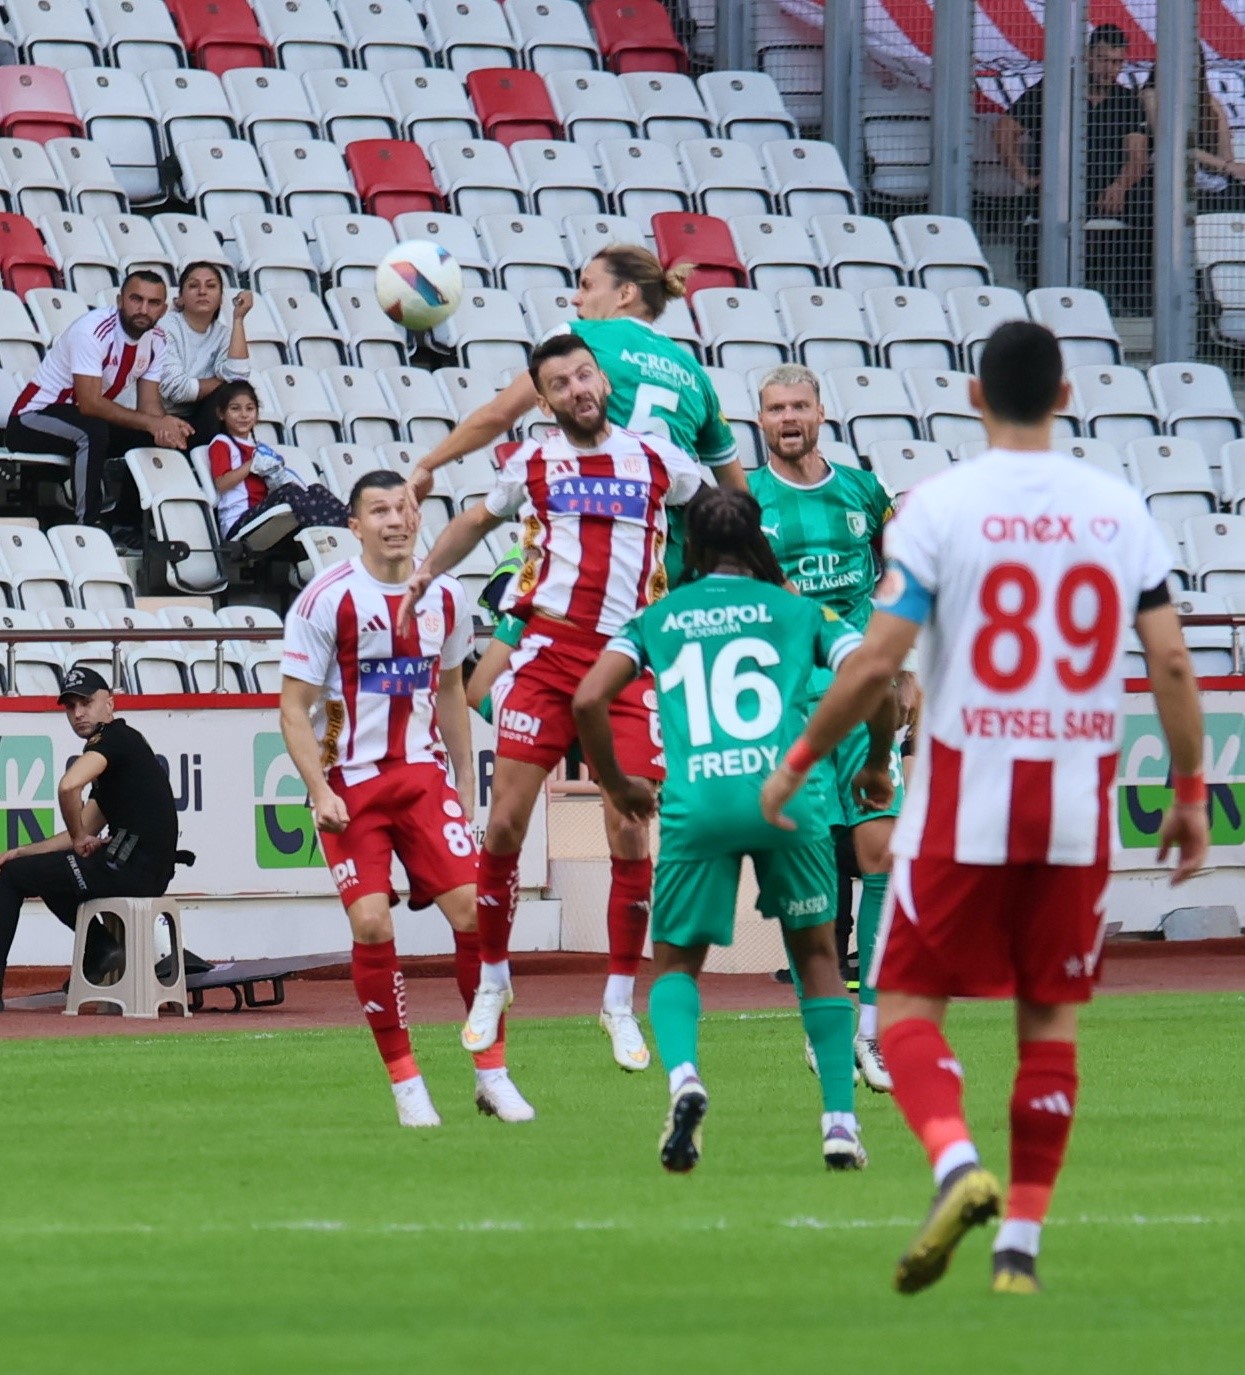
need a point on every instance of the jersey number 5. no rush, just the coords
(717, 699)
(1087, 615)
(649, 398)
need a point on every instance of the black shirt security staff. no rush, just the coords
(130, 800)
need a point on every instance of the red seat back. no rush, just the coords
(221, 34)
(637, 36)
(705, 242)
(512, 104)
(392, 176)
(24, 261)
(35, 103)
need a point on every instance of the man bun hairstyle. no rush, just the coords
(629, 263)
(1020, 372)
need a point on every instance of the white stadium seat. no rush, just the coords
(552, 35)
(304, 34)
(54, 33)
(21, 345)
(975, 312)
(456, 234)
(592, 106)
(1215, 545)
(155, 667)
(526, 252)
(643, 178)
(138, 35)
(470, 34)
(909, 327)
(349, 247)
(117, 115)
(740, 328)
(420, 405)
(54, 310)
(586, 235)
(1080, 321)
(825, 327)
(29, 182)
(857, 252)
(272, 253)
(30, 575)
(269, 105)
(776, 252)
(309, 177)
(312, 339)
(940, 396)
(869, 404)
(558, 178)
(431, 105)
(899, 464)
(1173, 476)
(87, 175)
(1113, 403)
(669, 105)
(350, 105)
(726, 178)
(807, 178)
(191, 239)
(746, 106)
(372, 339)
(367, 416)
(384, 35)
(476, 176)
(1097, 452)
(310, 417)
(178, 510)
(940, 252)
(190, 104)
(37, 668)
(223, 179)
(78, 249)
(1195, 401)
(486, 331)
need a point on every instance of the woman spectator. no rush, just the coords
(1219, 178)
(203, 352)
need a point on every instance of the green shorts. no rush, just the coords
(849, 759)
(694, 899)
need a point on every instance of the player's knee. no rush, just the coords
(628, 839)
(507, 828)
(370, 923)
(459, 907)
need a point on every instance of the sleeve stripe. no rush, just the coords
(842, 648)
(620, 645)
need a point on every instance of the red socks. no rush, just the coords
(928, 1084)
(631, 887)
(467, 975)
(1043, 1102)
(497, 896)
(381, 991)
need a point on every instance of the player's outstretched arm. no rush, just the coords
(328, 811)
(1174, 685)
(633, 797)
(873, 783)
(455, 723)
(484, 426)
(453, 545)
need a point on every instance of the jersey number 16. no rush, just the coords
(715, 697)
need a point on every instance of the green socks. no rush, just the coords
(867, 922)
(674, 1010)
(830, 1024)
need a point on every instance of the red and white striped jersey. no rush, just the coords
(594, 524)
(1034, 564)
(95, 345)
(379, 687)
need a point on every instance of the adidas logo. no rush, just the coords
(1053, 1102)
(486, 900)
(952, 1067)
(375, 623)
(371, 1007)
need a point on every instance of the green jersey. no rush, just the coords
(731, 657)
(823, 535)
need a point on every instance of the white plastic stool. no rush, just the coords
(138, 992)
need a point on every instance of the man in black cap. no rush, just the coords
(130, 800)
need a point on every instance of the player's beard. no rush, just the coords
(579, 436)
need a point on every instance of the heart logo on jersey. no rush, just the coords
(1104, 528)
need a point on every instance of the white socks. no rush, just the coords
(1017, 1235)
(619, 993)
(961, 1153)
(490, 1076)
(495, 975)
(839, 1119)
(868, 1024)
(680, 1074)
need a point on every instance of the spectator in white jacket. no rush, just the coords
(203, 352)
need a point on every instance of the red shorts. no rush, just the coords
(411, 811)
(532, 702)
(1031, 931)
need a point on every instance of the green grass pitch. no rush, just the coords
(248, 1203)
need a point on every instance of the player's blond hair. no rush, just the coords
(790, 375)
(657, 287)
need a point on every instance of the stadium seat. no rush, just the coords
(310, 418)
(552, 35)
(1210, 646)
(21, 345)
(704, 242)
(455, 234)
(30, 576)
(1176, 552)
(367, 417)
(392, 176)
(384, 35)
(870, 404)
(312, 339)
(78, 249)
(1232, 475)
(267, 338)
(725, 178)
(1219, 241)
(223, 179)
(178, 511)
(350, 246)
(351, 106)
(304, 34)
(117, 116)
(270, 105)
(487, 331)
(676, 323)
(512, 104)
(807, 178)
(546, 308)
(975, 312)
(37, 669)
(419, 403)
(526, 251)
(857, 252)
(85, 172)
(476, 176)
(1215, 545)
(261, 659)
(558, 178)
(1113, 403)
(53, 33)
(54, 310)
(1195, 401)
(592, 106)
(190, 239)
(739, 408)
(636, 36)
(190, 104)
(272, 253)
(138, 35)
(200, 655)
(35, 104)
(96, 654)
(30, 184)
(343, 465)
(466, 389)
(746, 107)
(940, 252)
(669, 106)
(587, 235)
(470, 34)
(1097, 452)
(1080, 321)
(899, 464)
(740, 329)
(149, 668)
(643, 178)
(898, 138)
(327, 545)
(908, 327)
(309, 178)
(940, 396)
(221, 34)
(431, 105)
(24, 260)
(825, 327)
(96, 576)
(775, 251)
(1173, 477)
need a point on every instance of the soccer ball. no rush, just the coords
(419, 284)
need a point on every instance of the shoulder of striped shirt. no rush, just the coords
(311, 593)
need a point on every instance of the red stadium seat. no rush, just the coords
(636, 36)
(35, 103)
(392, 177)
(221, 34)
(702, 240)
(24, 261)
(512, 104)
